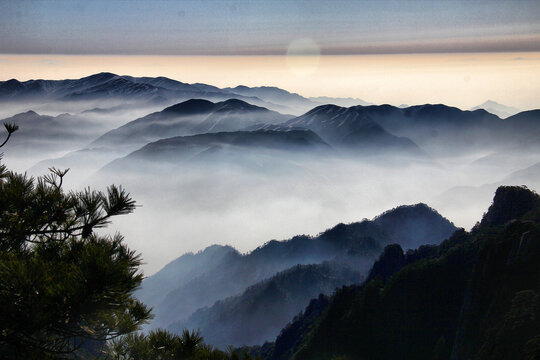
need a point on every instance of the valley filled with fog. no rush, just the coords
(220, 174)
(338, 164)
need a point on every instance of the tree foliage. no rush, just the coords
(61, 285)
(163, 345)
(474, 296)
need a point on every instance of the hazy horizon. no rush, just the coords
(463, 80)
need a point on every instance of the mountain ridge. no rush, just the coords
(362, 241)
(475, 295)
(194, 116)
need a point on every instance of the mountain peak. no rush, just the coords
(11, 85)
(30, 114)
(419, 222)
(490, 103)
(503, 111)
(510, 202)
(235, 104)
(191, 106)
(324, 108)
(100, 76)
(390, 261)
(12, 82)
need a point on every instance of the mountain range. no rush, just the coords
(157, 90)
(261, 150)
(354, 246)
(46, 135)
(261, 311)
(437, 129)
(360, 133)
(104, 85)
(423, 132)
(476, 295)
(195, 116)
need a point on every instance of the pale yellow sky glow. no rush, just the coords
(462, 80)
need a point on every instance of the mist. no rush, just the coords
(218, 179)
(246, 200)
(78, 123)
(197, 206)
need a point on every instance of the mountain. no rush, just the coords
(44, 134)
(291, 336)
(500, 110)
(259, 313)
(16, 90)
(476, 295)
(526, 121)
(185, 267)
(91, 87)
(528, 175)
(414, 226)
(291, 102)
(439, 129)
(351, 128)
(33, 125)
(195, 116)
(331, 122)
(345, 102)
(159, 90)
(355, 244)
(461, 196)
(107, 86)
(372, 138)
(262, 150)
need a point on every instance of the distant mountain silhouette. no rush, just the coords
(249, 149)
(38, 133)
(371, 137)
(528, 175)
(90, 87)
(180, 270)
(460, 195)
(438, 129)
(51, 89)
(350, 128)
(356, 245)
(345, 102)
(500, 110)
(190, 117)
(108, 86)
(259, 313)
(290, 102)
(159, 90)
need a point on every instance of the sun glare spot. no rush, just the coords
(303, 56)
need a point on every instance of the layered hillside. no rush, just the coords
(356, 245)
(195, 116)
(476, 295)
(262, 310)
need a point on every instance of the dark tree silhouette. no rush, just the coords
(61, 285)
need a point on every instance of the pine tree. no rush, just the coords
(61, 285)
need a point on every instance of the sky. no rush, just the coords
(212, 27)
(461, 53)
